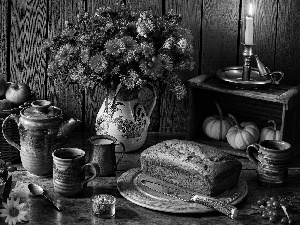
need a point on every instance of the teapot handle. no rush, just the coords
(153, 101)
(15, 118)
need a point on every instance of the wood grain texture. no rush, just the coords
(93, 5)
(67, 97)
(174, 113)
(265, 13)
(79, 210)
(140, 5)
(28, 29)
(272, 93)
(94, 97)
(219, 35)
(287, 55)
(3, 38)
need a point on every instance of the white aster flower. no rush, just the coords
(147, 49)
(63, 54)
(132, 80)
(13, 211)
(114, 47)
(152, 68)
(144, 24)
(186, 33)
(166, 61)
(182, 44)
(76, 73)
(129, 43)
(169, 43)
(98, 63)
(84, 55)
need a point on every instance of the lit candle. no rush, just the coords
(249, 27)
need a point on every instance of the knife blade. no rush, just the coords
(221, 206)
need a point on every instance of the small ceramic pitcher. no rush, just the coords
(102, 152)
(271, 158)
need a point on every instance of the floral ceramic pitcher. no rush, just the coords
(123, 117)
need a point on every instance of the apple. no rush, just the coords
(5, 104)
(3, 87)
(18, 93)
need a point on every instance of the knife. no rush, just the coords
(221, 206)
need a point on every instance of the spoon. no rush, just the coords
(38, 190)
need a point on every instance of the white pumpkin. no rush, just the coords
(216, 126)
(242, 135)
(270, 132)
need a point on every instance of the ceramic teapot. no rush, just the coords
(42, 130)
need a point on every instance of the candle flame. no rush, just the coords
(250, 9)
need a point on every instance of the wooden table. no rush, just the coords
(79, 209)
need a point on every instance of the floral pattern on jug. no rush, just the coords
(125, 120)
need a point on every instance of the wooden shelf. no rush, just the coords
(284, 94)
(273, 102)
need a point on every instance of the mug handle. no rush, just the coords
(123, 151)
(94, 169)
(252, 153)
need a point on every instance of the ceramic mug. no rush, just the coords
(271, 158)
(102, 152)
(69, 171)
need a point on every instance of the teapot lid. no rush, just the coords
(41, 110)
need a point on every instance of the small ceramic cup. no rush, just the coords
(271, 158)
(69, 171)
(103, 206)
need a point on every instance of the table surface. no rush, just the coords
(78, 210)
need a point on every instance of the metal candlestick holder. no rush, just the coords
(247, 53)
(247, 77)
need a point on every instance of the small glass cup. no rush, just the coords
(103, 206)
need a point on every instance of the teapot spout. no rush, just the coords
(67, 127)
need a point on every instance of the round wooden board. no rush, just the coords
(132, 189)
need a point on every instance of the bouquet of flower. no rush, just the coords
(122, 47)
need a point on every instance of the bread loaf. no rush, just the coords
(191, 165)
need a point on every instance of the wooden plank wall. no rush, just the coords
(3, 38)
(217, 26)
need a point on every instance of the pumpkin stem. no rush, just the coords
(221, 119)
(236, 122)
(219, 110)
(274, 124)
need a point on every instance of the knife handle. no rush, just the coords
(221, 206)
